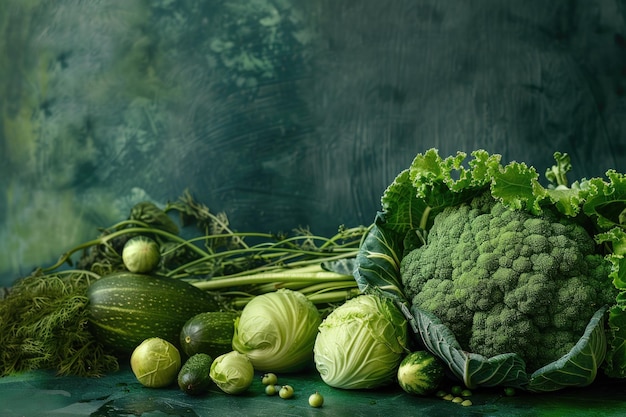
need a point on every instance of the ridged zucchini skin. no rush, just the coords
(126, 308)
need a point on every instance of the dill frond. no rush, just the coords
(44, 325)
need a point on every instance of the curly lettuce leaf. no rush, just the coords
(606, 200)
(616, 238)
(516, 185)
(439, 183)
(606, 203)
(557, 174)
(615, 364)
(616, 355)
(579, 367)
(403, 210)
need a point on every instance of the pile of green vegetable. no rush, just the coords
(472, 269)
(507, 281)
(147, 275)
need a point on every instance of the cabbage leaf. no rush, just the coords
(578, 368)
(474, 370)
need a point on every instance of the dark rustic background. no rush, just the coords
(284, 113)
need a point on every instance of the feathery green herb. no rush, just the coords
(44, 325)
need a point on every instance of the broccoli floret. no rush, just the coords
(508, 281)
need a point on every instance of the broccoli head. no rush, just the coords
(509, 281)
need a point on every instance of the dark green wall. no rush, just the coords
(285, 113)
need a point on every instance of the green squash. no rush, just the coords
(421, 373)
(210, 332)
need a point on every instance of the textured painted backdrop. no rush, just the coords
(284, 113)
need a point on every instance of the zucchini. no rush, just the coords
(125, 309)
(210, 332)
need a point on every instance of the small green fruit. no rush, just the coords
(269, 379)
(316, 400)
(286, 391)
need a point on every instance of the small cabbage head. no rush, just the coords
(155, 362)
(277, 331)
(232, 372)
(141, 255)
(361, 343)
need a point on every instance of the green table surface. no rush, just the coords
(42, 393)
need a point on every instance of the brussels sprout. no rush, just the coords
(155, 363)
(277, 331)
(141, 255)
(232, 372)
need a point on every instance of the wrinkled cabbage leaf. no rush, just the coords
(578, 368)
(474, 370)
(378, 261)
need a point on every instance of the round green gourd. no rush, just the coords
(209, 332)
(421, 373)
(193, 378)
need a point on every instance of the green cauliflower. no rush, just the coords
(508, 281)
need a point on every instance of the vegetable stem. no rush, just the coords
(424, 219)
(240, 300)
(310, 274)
(106, 238)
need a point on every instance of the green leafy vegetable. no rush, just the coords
(433, 184)
(232, 372)
(277, 331)
(44, 325)
(43, 318)
(361, 343)
(379, 258)
(473, 369)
